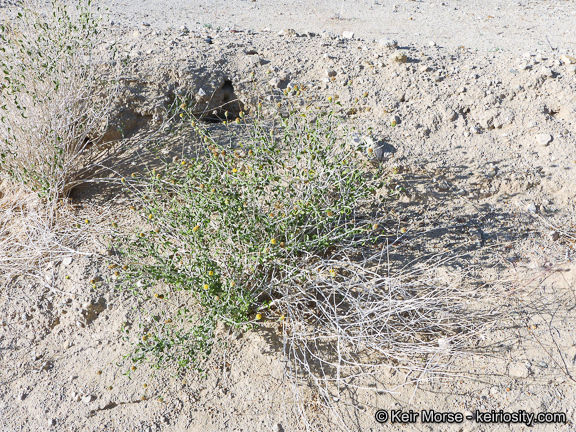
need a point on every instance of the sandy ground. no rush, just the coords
(484, 146)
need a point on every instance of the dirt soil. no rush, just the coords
(472, 106)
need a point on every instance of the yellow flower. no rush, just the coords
(282, 317)
(375, 226)
(273, 241)
(150, 217)
(403, 230)
(210, 273)
(196, 228)
(234, 170)
(232, 283)
(258, 317)
(133, 368)
(206, 286)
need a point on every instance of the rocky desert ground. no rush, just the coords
(472, 109)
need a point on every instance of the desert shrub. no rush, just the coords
(55, 100)
(230, 224)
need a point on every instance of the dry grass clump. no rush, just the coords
(55, 101)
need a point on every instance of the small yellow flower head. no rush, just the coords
(237, 121)
(87, 221)
(282, 317)
(370, 150)
(183, 162)
(250, 152)
(210, 273)
(114, 225)
(112, 266)
(124, 267)
(393, 123)
(133, 175)
(159, 296)
(273, 241)
(403, 230)
(158, 176)
(241, 114)
(150, 216)
(132, 208)
(329, 98)
(145, 338)
(142, 235)
(67, 276)
(133, 368)
(123, 180)
(168, 321)
(183, 105)
(232, 283)
(143, 398)
(181, 115)
(329, 213)
(196, 228)
(144, 385)
(213, 190)
(258, 317)
(206, 286)
(375, 226)
(234, 170)
(116, 273)
(282, 244)
(365, 94)
(332, 272)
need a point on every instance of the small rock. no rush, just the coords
(546, 72)
(398, 57)
(146, 24)
(462, 90)
(566, 59)
(184, 30)
(287, 32)
(543, 139)
(388, 43)
(251, 51)
(88, 399)
(531, 208)
(67, 261)
(554, 235)
(330, 72)
(51, 422)
(424, 68)
(348, 35)
(432, 43)
(518, 370)
(278, 428)
(275, 82)
(571, 68)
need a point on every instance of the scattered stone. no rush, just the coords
(518, 370)
(278, 428)
(554, 235)
(146, 24)
(67, 261)
(546, 72)
(424, 68)
(432, 43)
(571, 68)
(348, 35)
(275, 82)
(287, 32)
(330, 73)
(566, 59)
(184, 30)
(251, 51)
(388, 43)
(51, 422)
(88, 399)
(543, 139)
(532, 208)
(398, 57)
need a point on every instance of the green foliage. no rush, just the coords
(224, 226)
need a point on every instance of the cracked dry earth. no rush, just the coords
(483, 150)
